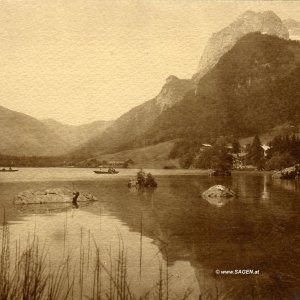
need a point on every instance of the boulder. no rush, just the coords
(54, 195)
(287, 173)
(276, 175)
(218, 195)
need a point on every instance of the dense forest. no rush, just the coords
(37, 161)
(57, 161)
(284, 152)
(223, 153)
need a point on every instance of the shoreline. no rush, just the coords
(60, 174)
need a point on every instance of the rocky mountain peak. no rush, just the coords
(291, 23)
(266, 22)
(293, 27)
(171, 78)
(247, 14)
(173, 91)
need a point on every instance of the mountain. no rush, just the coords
(266, 22)
(137, 120)
(293, 28)
(131, 126)
(23, 135)
(254, 87)
(77, 135)
(206, 105)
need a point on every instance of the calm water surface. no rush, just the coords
(172, 226)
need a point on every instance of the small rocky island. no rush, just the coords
(53, 195)
(142, 180)
(218, 195)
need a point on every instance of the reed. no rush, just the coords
(28, 273)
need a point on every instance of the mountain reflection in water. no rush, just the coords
(258, 230)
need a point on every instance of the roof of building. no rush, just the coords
(265, 147)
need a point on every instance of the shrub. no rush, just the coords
(280, 161)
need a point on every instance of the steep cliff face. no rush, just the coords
(221, 42)
(293, 27)
(173, 91)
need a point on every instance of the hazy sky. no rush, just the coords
(79, 61)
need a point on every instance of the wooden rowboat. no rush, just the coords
(106, 172)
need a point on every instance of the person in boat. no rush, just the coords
(74, 201)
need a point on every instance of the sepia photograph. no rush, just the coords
(149, 150)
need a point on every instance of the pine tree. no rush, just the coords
(236, 147)
(294, 146)
(256, 153)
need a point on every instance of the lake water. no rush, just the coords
(170, 231)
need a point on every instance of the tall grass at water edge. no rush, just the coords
(29, 273)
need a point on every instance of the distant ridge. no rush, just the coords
(76, 135)
(21, 134)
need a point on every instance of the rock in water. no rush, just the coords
(218, 195)
(54, 195)
(287, 173)
(276, 175)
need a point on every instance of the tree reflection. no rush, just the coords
(243, 234)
